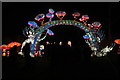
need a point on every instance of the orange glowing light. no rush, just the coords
(13, 44)
(36, 53)
(4, 47)
(4, 54)
(4, 50)
(117, 41)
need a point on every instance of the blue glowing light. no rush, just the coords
(32, 23)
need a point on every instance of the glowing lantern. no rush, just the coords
(86, 37)
(3, 54)
(50, 32)
(69, 43)
(60, 14)
(85, 16)
(39, 17)
(60, 43)
(50, 15)
(117, 41)
(51, 11)
(32, 23)
(47, 42)
(4, 50)
(4, 47)
(96, 24)
(13, 44)
(76, 14)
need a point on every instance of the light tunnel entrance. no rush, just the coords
(65, 33)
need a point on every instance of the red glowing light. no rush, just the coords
(117, 41)
(76, 14)
(61, 13)
(85, 16)
(13, 44)
(4, 47)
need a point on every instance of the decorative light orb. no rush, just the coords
(96, 24)
(39, 17)
(32, 23)
(76, 14)
(85, 16)
(49, 15)
(3, 54)
(51, 11)
(86, 37)
(60, 13)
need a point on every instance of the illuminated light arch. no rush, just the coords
(93, 36)
(87, 29)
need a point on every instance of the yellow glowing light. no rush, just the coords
(4, 54)
(42, 46)
(4, 50)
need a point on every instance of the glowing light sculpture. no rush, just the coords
(50, 15)
(75, 15)
(117, 41)
(60, 14)
(94, 34)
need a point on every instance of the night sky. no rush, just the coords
(15, 16)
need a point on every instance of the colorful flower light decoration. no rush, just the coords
(32, 23)
(86, 37)
(75, 15)
(60, 14)
(50, 32)
(50, 15)
(51, 10)
(93, 35)
(40, 17)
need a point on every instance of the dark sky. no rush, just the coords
(15, 16)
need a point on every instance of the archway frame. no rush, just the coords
(94, 34)
(93, 40)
